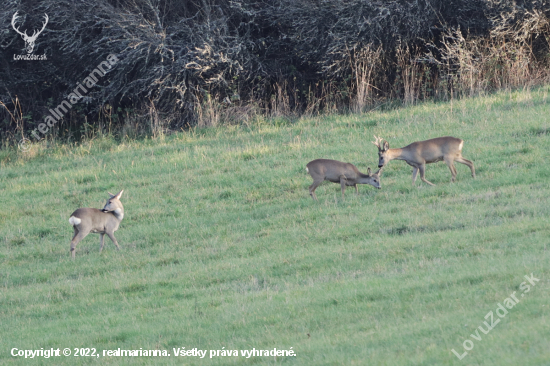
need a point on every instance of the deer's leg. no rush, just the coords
(75, 233)
(422, 169)
(112, 237)
(313, 187)
(356, 189)
(415, 172)
(101, 241)
(78, 236)
(452, 168)
(343, 184)
(461, 160)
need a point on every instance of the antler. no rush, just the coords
(378, 142)
(13, 19)
(35, 35)
(24, 34)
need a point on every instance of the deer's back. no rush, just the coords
(435, 149)
(96, 220)
(332, 170)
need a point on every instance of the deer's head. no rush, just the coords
(383, 148)
(29, 40)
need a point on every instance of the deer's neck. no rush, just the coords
(119, 213)
(396, 154)
(363, 178)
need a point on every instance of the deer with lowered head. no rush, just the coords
(420, 153)
(93, 220)
(338, 172)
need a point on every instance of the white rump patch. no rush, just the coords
(460, 146)
(74, 220)
(307, 170)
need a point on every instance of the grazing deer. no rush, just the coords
(420, 153)
(338, 172)
(93, 220)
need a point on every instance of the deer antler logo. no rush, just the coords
(29, 41)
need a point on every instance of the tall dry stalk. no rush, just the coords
(364, 64)
(280, 101)
(16, 116)
(409, 73)
(207, 112)
(155, 122)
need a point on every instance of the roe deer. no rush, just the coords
(93, 220)
(338, 172)
(420, 153)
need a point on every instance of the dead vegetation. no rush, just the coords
(209, 62)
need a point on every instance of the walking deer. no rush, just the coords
(93, 220)
(338, 172)
(420, 153)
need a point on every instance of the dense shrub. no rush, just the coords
(182, 63)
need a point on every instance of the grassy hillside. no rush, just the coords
(223, 247)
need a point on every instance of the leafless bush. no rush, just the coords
(509, 57)
(209, 62)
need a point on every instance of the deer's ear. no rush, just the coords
(119, 194)
(368, 171)
(386, 145)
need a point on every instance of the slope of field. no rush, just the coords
(222, 247)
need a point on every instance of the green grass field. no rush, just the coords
(223, 248)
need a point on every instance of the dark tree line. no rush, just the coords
(187, 62)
